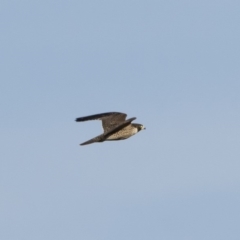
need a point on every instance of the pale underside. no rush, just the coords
(123, 133)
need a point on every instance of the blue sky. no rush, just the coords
(172, 64)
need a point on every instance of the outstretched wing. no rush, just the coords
(109, 120)
(104, 136)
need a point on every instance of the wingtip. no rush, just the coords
(87, 142)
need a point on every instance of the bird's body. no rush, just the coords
(124, 133)
(115, 126)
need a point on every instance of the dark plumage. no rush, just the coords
(115, 126)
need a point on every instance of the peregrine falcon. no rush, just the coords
(115, 126)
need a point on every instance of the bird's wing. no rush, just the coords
(100, 116)
(109, 120)
(104, 136)
(99, 138)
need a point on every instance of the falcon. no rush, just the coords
(115, 126)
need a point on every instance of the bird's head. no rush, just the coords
(139, 126)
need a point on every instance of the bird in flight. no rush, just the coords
(115, 126)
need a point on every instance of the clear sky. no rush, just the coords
(175, 65)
